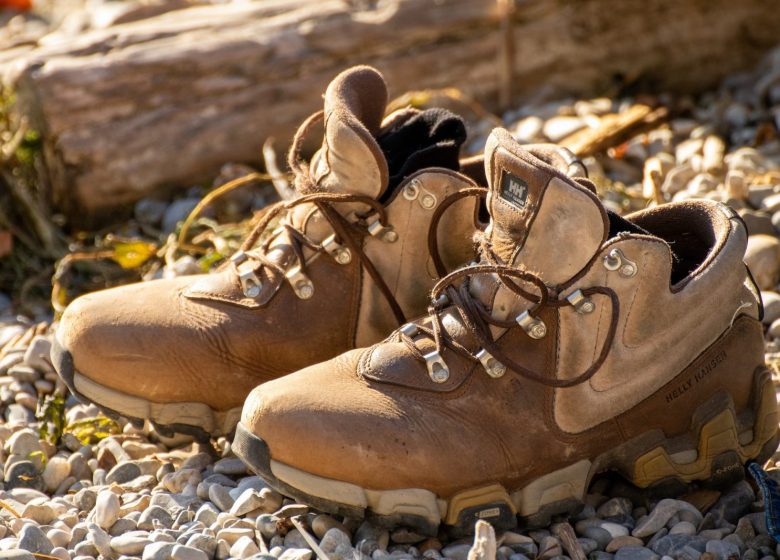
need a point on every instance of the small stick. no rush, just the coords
(568, 538)
(309, 539)
(278, 179)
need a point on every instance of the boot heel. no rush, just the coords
(725, 442)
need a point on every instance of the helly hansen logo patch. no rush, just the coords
(700, 375)
(514, 190)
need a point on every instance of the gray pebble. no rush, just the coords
(294, 539)
(122, 473)
(150, 211)
(660, 515)
(23, 474)
(636, 553)
(33, 539)
(723, 550)
(736, 502)
(615, 507)
(220, 497)
(177, 212)
(683, 528)
(598, 534)
(122, 525)
(335, 539)
(154, 514)
(588, 545)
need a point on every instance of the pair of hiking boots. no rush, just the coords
(573, 342)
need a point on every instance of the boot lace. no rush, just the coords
(453, 291)
(348, 232)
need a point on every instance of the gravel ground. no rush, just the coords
(136, 493)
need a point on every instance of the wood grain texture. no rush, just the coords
(164, 101)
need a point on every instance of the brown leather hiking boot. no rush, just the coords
(581, 342)
(348, 263)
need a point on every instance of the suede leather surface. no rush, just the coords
(375, 418)
(150, 340)
(201, 339)
(330, 422)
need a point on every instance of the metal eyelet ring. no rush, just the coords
(412, 189)
(580, 303)
(535, 328)
(428, 201)
(250, 283)
(493, 367)
(341, 254)
(409, 329)
(440, 301)
(301, 284)
(385, 233)
(616, 260)
(437, 368)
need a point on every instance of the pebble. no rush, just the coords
(297, 554)
(106, 510)
(614, 507)
(123, 472)
(23, 474)
(181, 552)
(762, 257)
(155, 516)
(220, 497)
(131, 543)
(683, 528)
(636, 553)
(158, 551)
(660, 515)
(723, 550)
(176, 212)
(231, 466)
(598, 534)
(619, 542)
(322, 523)
(335, 539)
(33, 539)
(244, 548)
(56, 471)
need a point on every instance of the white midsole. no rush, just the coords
(565, 483)
(198, 414)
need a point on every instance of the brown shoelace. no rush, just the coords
(477, 319)
(348, 232)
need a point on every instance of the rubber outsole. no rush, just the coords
(191, 418)
(713, 455)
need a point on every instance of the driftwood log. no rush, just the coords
(163, 102)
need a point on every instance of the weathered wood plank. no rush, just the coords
(165, 101)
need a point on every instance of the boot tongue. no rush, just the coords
(541, 220)
(350, 160)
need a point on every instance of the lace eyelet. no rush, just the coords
(535, 328)
(616, 260)
(385, 233)
(437, 368)
(581, 304)
(301, 284)
(341, 254)
(493, 367)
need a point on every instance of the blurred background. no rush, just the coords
(117, 117)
